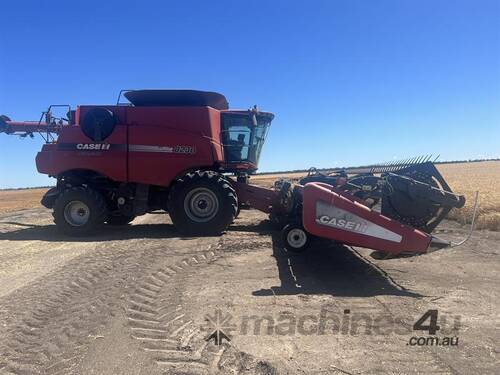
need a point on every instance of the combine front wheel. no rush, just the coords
(79, 211)
(202, 203)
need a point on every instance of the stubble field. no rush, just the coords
(14, 200)
(142, 300)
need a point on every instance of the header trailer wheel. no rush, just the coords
(295, 238)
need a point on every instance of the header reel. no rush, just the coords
(414, 194)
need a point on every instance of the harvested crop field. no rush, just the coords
(141, 299)
(13, 200)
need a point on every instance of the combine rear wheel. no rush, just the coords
(202, 203)
(79, 211)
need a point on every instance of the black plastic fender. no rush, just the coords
(50, 197)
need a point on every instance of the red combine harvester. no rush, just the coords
(187, 153)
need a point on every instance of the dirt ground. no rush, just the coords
(141, 300)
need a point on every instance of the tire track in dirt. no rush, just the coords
(21, 266)
(425, 358)
(367, 303)
(171, 338)
(49, 324)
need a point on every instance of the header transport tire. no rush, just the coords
(295, 238)
(79, 211)
(202, 203)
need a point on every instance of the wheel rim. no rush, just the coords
(76, 213)
(296, 238)
(201, 205)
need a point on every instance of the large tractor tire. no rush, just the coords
(79, 211)
(202, 203)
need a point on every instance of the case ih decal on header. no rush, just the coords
(335, 217)
(186, 153)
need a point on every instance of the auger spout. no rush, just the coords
(8, 126)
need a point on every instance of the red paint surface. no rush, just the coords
(413, 240)
(198, 128)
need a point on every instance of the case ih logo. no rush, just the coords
(90, 147)
(341, 223)
(335, 217)
(93, 146)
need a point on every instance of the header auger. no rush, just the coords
(186, 153)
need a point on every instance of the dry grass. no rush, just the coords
(464, 178)
(267, 180)
(13, 200)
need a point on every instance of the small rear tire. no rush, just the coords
(295, 238)
(79, 211)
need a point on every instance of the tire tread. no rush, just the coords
(228, 194)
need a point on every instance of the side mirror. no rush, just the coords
(253, 115)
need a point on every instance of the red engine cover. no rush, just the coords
(149, 145)
(331, 213)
